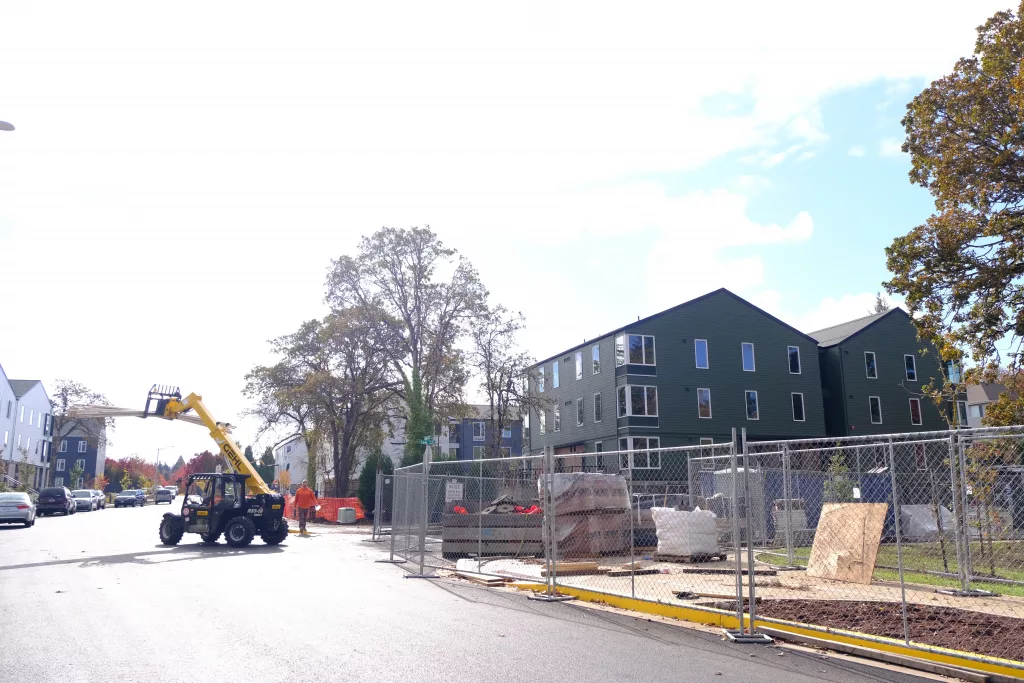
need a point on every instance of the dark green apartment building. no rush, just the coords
(872, 373)
(682, 377)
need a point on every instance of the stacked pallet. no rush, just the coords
(491, 535)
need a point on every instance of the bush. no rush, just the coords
(368, 480)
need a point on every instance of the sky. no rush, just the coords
(181, 176)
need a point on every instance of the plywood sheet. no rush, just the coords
(846, 541)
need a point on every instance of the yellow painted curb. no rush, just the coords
(1000, 667)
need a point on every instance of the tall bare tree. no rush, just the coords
(428, 294)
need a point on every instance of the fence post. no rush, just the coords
(959, 518)
(899, 543)
(394, 507)
(736, 532)
(632, 554)
(750, 529)
(480, 518)
(550, 528)
(790, 558)
(968, 560)
(426, 507)
(377, 493)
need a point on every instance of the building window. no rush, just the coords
(579, 365)
(953, 372)
(751, 400)
(46, 424)
(579, 412)
(31, 414)
(595, 354)
(554, 375)
(911, 365)
(747, 350)
(80, 464)
(60, 464)
(288, 448)
(622, 401)
(558, 418)
(540, 380)
(8, 410)
(706, 441)
(798, 407)
(21, 414)
(597, 407)
(39, 420)
(870, 368)
(961, 412)
(875, 406)
(977, 411)
(37, 448)
(794, 359)
(7, 436)
(700, 351)
(635, 454)
(63, 446)
(478, 452)
(641, 349)
(643, 401)
(915, 411)
(28, 443)
(704, 404)
(920, 457)
(58, 481)
(19, 440)
(542, 416)
(83, 445)
(506, 433)
(479, 431)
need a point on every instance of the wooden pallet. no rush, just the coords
(690, 559)
(482, 579)
(634, 572)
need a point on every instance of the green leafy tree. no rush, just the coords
(126, 480)
(427, 296)
(368, 479)
(838, 486)
(76, 472)
(960, 272)
(26, 472)
(67, 395)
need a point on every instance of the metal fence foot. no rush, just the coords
(743, 638)
(421, 576)
(544, 597)
(390, 561)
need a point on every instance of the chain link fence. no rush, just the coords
(917, 538)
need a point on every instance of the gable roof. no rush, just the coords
(984, 392)
(675, 308)
(22, 386)
(830, 336)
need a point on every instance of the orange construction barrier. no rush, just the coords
(328, 508)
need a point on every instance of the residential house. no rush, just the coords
(470, 438)
(85, 446)
(682, 377)
(290, 461)
(31, 429)
(7, 401)
(872, 373)
(978, 397)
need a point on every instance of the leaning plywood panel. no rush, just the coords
(846, 541)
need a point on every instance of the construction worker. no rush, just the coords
(305, 501)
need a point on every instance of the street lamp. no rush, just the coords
(6, 126)
(162, 448)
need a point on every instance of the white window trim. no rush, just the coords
(799, 361)
(651, 451)
(31, 415)
(920, 412)
(961, 416)
(707, 355)
(580, 415)
(874, 357)
(707, 441)
(757, 402)
(540, 380)
(21, 414)
(913, 360)
(63, 446)
(597, 401)
(579, 365)
(60, 464)
(554, 374)
(753, 356)
(483, 431)
(80, 462)
(803, 406)
(619, 405)
(643, 349)
(620, 344)
(595, 360)
(710, 411)
(83, 446)
(880, 416)
(7, 436)
(629, 399)
(557, 419)
(480, 450)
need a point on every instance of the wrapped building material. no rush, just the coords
(685, 533)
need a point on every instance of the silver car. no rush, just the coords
(85, 500)
(17, 508)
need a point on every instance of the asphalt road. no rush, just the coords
(95, 597)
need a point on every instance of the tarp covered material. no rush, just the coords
(576, 492)
(919, 523)
(685, 533)
(592, 534)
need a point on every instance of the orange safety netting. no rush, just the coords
(328, 508)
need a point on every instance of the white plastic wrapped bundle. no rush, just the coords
(685, 533)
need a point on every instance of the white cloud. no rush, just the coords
(752, 184)
(857, 151)
(890, 148)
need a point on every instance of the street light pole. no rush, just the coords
(162, 448)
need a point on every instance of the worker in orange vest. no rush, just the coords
(305, 501)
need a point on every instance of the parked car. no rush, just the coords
(56, 500)
(163, 495)
(140, 496)
(101, 500)
(84, 499)
(16, 507)
(127, 498)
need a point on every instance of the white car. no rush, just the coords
(84, 500)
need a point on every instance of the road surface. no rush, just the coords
(95, 597)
